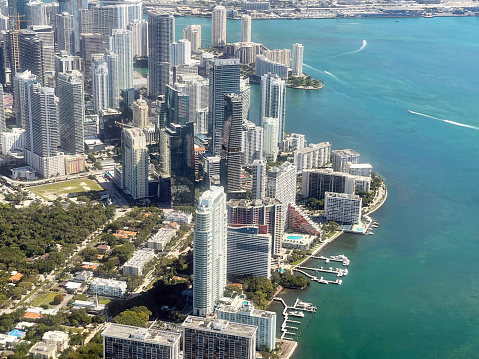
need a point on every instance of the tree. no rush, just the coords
(136, 316)
(57, 299)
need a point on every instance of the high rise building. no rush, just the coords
(230, 170)
(218, 26)
(270, 138)
(121, 44)
(244, 312)
(267, 214)
(3, 125)
(245, 91)
(135, 162)
(139, 29)
(297, 65)
(180, 53)
(176, 106)
(294, 142)
(13, 140)
(249, 252)
(207, 338)
(197, 89)
(273, 101)
(36, 14)
(281, 183)
(193, 34)
(113, 65)
(18, 11)
(359, 169)
(161, 32)
(316, 182)
(100, 86)
(263, 66)
(209, 254)
(342, 207)
(341, 158)
(65, 33)
(245, 28)
(316, 155)
(140, 113)
(252, 143)
(224, 79)
(21, 84)
(71, 111)
(128, 342)
(258, 190)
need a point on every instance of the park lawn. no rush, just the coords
(45, 298)
(104, 301)
(51, 191)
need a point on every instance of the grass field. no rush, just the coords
(51, 191)
(45, 298)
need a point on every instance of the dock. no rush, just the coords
(318, 279)
(286, 332)
(338, 271)
(340, 258)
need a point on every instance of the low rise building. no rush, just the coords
(57, 338)
(160, 239)
(136, 264)
(298, 241)
(359, 169)
(340, 159)
(43, 351)
(179, 217)
(243, 311)
(205, 338)
(342, 208)
(294, 142)
(128, 342)
(108, 287)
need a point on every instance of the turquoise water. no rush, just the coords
(412, 290)
(295, 237)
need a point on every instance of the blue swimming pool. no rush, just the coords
(294, 237)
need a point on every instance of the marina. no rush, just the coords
(339, 258)
(297, 310)
(338, 271)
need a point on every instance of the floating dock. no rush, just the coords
(338, 271)
(340, 258)
(298, 305)
(317, 279)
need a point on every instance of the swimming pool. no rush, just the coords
(294, 237)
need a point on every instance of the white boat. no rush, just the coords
(296, 313)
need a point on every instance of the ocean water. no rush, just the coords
(413, 287)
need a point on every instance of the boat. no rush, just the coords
(428, 16)
(296, 313)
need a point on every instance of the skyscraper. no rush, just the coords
(90, 43)
(71, 111)
(139, 29)
(245, 28)
(21, 83)
(218, 26)
(193, 34)
(121, 44)
(224, 79)
(245, 90)
(36, 14)
(176, 106)
(230, 166)
(273, 102)
(298, 50)
(3, 125)
(161, 32)
(112, 62)
(42, 132)
(209, 254)
(65, 32)
(252, 143)
(100, 85)
(18, 11)
(45, 33)
(135, 162)
(31, 53)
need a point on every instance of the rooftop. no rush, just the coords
(239, 304)
(219, 325)
(155, 336)
(347, 152)
(341, 195)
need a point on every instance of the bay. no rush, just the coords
(412, 289)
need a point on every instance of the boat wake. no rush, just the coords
(444, 120)
(363, 46)
(312, 68)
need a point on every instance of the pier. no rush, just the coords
(319, 280)
(298, 305)
(338, 271)
(340, 258)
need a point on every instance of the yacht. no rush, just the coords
(296, 313)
